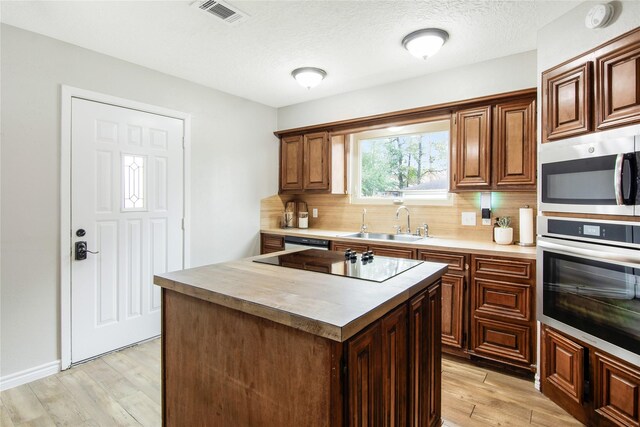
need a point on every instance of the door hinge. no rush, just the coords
(184, 144)
(343, 362)
(182, 223)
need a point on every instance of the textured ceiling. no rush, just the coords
(356, 42)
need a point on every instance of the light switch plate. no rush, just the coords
(468, 218)
(315, 212)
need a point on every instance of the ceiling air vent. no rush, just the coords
(221, 10)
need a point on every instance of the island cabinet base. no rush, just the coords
(223, 367)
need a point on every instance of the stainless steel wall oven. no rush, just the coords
(589, 282)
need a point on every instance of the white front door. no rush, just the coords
(127, 205)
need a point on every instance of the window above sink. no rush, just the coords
(406, 164)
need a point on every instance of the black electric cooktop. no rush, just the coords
(365, 266)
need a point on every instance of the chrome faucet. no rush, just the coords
(363, 227)
(408, 217)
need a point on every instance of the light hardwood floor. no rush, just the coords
(123, 389)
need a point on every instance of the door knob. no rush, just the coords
(81, 251)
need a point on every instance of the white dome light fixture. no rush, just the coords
(308, 76)
(426, 42)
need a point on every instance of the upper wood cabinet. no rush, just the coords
(566, 101)
(291, 149)
(315, 167)
(597, 90)
(494, 147)
(470, 153)
(314, 162)
(618, 83)
(514, 144)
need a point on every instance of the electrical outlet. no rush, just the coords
(468, 218)
(315, 212)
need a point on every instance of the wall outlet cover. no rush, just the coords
(315, 212)
(468, 218)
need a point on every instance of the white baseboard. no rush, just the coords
(28, 375)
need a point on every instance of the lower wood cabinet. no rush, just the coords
(394, 366)
(596, 388)
(502, 310)
(271, 243)
(455, 300)
(616, 390)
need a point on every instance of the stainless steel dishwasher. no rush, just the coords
(293, 242)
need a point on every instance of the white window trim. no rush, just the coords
(440, 198)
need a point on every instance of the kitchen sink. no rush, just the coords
(384, 236)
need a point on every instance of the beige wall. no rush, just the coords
(234, 165)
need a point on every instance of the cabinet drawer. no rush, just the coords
(504, 267)
(499, 340)
(457, 262)
(343, 246)
(393, 252)
(508, 300)
(272, 243)
(617, 390)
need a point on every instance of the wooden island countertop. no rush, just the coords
(251, 344)
(329, 306)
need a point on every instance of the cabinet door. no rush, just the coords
(271, 243)
(616, 390)
(291, 163)
(563, 371)
(618, 85)
(515, 144)
(566, 101)
(316, 161)
(562, 365)
(453, 310)
(470, 153)
(364, 377)
(394, 368)
(393, 252)
(425, 358)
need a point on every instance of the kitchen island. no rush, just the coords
(246, 343)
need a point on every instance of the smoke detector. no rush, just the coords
(221, 10)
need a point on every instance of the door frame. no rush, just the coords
(67, 94)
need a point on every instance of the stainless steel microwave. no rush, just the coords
(596, 173)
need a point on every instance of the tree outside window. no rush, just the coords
(397, 165)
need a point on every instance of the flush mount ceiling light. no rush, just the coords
(308, 76)
(426, 42)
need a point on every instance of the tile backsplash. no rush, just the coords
(337, 213)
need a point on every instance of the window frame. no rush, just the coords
(438, 198)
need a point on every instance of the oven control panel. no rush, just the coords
(606, 231)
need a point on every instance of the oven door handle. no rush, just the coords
(573, 248)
